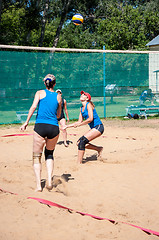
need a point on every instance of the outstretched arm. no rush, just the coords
(80, 119)
(31, 110)
(88, 120)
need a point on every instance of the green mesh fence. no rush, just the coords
(112, 88)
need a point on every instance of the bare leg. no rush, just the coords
(50, 145)
(50, 167)
(38, 143)
(63, 123)
(96, 148)
(80, 156)
(37, 171)
(92, 134)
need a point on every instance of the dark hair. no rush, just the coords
(136, 116)
(50, 80)
(149, 91)
(91, 103)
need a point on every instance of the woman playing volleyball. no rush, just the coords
(62, 119)
(46, 129)
(88, 112)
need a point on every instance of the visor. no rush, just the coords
(59, 90)
(87, 94)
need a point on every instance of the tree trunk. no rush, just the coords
(0, 9)
(63, 17)
(44, 19)
(58, 31)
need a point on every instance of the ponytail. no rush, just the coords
(91, 103)
(49, 84)
(50, 80)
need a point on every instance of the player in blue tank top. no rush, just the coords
(46, 129)
(62, 119)
(88, 115)
(96, 120)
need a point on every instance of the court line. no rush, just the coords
(71, 134)
(50, 203)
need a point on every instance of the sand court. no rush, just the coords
(122, 187)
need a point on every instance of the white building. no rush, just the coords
(154, 64)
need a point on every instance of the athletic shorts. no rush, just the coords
(61, 117)
(100, 128)
(46, 130)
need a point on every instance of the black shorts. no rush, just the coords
(61, 117)
(100, 128)
(46, 130)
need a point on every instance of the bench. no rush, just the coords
(142, 110)
(22, 116)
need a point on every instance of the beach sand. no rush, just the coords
(123, 187)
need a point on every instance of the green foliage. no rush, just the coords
(50, 31)
(12, 26)
(115, 24)
(122, 29)
(75, 37)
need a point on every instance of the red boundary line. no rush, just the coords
(73, 134)
(50, 203)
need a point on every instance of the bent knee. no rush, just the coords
(82, 142)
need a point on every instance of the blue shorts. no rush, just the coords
(100, 128)
(46, 130)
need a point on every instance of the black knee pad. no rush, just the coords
(48, 154)
(82, 142)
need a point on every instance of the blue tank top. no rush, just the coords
(47, 109)
(96, 120)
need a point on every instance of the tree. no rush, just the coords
(44, 20)
(117, 24)
(12, 26)
(124, 27)
(64, 13)
(32, 17)
(70, 7)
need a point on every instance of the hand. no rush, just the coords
(23, 127)
(64, 127)
(68, 120)
(76, 124)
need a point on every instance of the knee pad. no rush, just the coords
(82, 142)
(48, 154)
(37, 157)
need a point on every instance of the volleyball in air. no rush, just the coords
(77, 19)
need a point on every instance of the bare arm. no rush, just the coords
(89, 119)
(66, 111)
(31, 110)
(80, 119)
(59, 99)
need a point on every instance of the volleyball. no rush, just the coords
(77, 19)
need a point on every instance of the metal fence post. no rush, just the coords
(104, 83)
